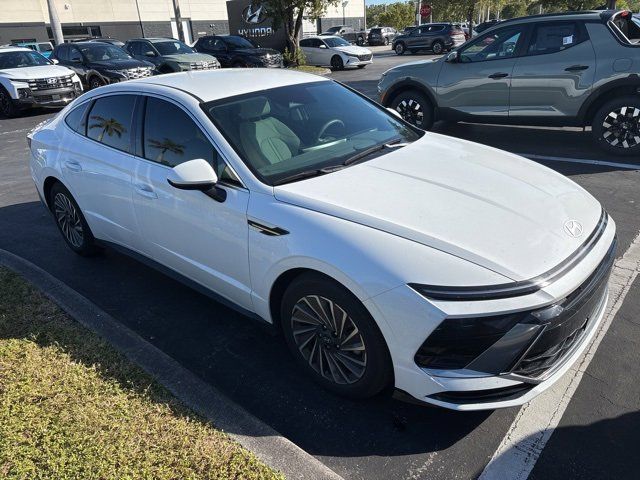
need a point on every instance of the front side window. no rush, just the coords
(22, 59)
(552, 38)
(493, 46)
(172, 47)
(285, 131)
(109, 121)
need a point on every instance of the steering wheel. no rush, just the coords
(326, 127)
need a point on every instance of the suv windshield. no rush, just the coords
(299, 130)
(105, 52)
(22, 59)
(238, 42)
(172, 47)
(336, 42)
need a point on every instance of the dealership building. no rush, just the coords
(28, 20)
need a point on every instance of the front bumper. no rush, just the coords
(53, 98)
(411, 319)
(354, 61)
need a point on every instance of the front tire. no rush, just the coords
(437, 47)
(95, 82)
(400, 48)
(71, 222)
(7, 107)
(334, 338)
(415, 108)
(337, 63)
(616, 126)
(360, 41)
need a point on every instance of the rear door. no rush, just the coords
(479, 83)
(555, 76)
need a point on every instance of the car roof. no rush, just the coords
(15, 49)
(599, 15)
(205, 84)
(155, 39)
(322, 37)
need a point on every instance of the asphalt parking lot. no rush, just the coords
(383, 438)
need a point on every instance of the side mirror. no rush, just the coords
(322, 45)
(196, 175)
(453, 57)
(54, 61)
(394, 112)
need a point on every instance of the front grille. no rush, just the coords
(202, 65)
(272, 60)
(51, 83)
(140, 72)
(567, 329)
(365, 58)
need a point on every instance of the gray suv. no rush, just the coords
(574, 69)
(437, 37)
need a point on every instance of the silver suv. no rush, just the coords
(573, 69)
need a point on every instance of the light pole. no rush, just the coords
(140, 18)
(176, 11)
(56, 27)
(344, 4)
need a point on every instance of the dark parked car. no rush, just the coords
(170, 55)
(486, 25)
(235, 51)
(348, 33)
(437, 37)
(99, 63)
(381, 35)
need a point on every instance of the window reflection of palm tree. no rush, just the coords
(109, 126)
(166, 145)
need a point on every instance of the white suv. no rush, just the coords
(27, 79)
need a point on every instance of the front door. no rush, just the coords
(478, 83)
(186, 230)
(556, 74)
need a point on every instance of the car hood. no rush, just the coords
(120, 64)
(190, 57)
(43, 71)
(353, 50)
(487, 206)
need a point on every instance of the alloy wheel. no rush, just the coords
(411, 111)
(68, 220)
(95, 83)
(437, 48)
(621, 127)
(328, 339)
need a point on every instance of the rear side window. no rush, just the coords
(62, 53)
(555, 37)
(76, 119)
(109, 121)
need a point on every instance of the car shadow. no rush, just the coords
(236, 354)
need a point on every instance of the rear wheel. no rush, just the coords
(334, 338)
(437, 47)
(400, 48)
(337, 63)
(71, 221)
(616, 126)
(360, 41)
(415, 108)
(7, 107)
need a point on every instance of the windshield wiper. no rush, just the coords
(309, 173)
(394, 143)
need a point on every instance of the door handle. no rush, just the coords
(73, 166)
(576, 68)
(145, 190)
(498, 75)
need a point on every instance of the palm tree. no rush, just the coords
(111, 127)
(166, 145)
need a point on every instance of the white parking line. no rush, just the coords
(586, 161)
(533, 426)
(17, 131)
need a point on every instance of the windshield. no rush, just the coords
(172, 47)
(336, 42)
(285, 131)
(105, 52)
(238, 42)
(22, 59)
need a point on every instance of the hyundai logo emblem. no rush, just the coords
(255, 13)
(52, 81)
(573, 228)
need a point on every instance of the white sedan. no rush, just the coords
(465, 276)
(334, 52)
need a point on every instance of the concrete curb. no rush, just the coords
(253, 434)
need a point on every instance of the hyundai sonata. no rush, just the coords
(462, 275)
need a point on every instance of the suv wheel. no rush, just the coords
(334, 338)
(360, 41)
(437, 47)
(415, 108)
(95, 82)
(71, 222)
(400, 48)
(7, 107)
(616, 126)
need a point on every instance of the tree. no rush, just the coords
(373, 14)
(288, 15)
(109, 126)
(398, 15)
